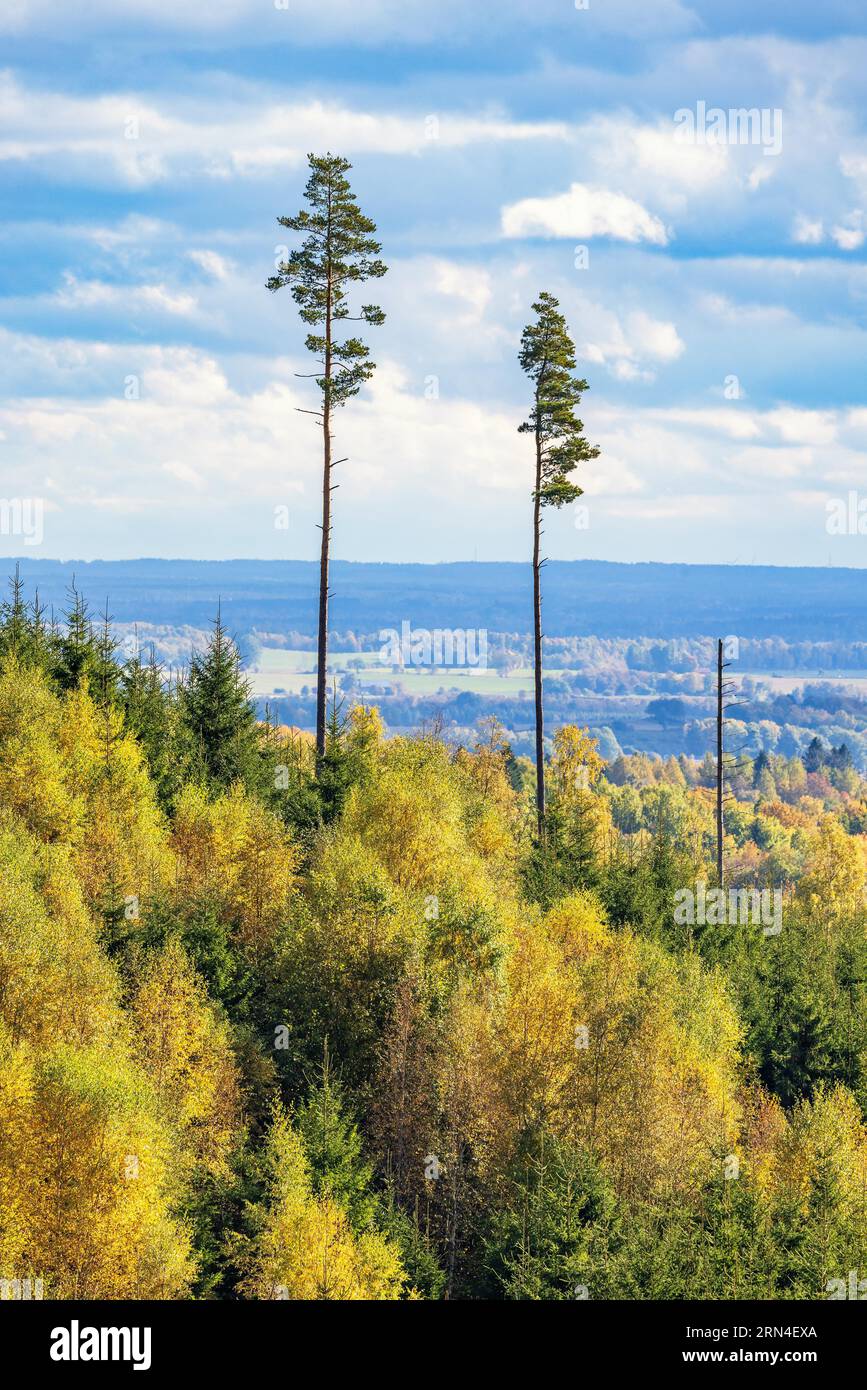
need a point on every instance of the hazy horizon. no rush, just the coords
(11, 560)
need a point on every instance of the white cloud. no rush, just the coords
(797, 426)
(129, 138)
(132, 230)
(468, 284)
(781, 425)
(721, 306)
(854, 167)
(653, 338)
(198, 460)
(807, 231)
(628, 347)
(214, 265)
(730, 421)
(95, 294)
(252, 443)
(770, 464)
(584, 211)
(183, 377)
(650, 160)
(686, 507)
(759, 174)
(184, 473)
(850, 235)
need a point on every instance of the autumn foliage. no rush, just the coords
(270, 1030)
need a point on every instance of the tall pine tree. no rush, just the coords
(339, 249)
(548, 357)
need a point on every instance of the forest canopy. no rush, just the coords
(273, 1031)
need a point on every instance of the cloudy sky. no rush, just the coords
(712, 272)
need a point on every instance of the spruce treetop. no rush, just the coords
(219, 713)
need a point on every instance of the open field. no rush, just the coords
(287, 671)
(796, 680)
(279, 670)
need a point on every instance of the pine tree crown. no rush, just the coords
(339, 249)
(548, 358)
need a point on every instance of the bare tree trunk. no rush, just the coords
(322, 646)
(537, 644)
(719, 763)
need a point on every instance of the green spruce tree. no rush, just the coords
(219, 717)
(22, 628)
(151, 713)
(78, 649)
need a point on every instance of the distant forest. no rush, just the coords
(582, 597)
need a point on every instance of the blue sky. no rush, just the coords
(718, 305)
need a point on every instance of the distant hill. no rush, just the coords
(582, 597)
